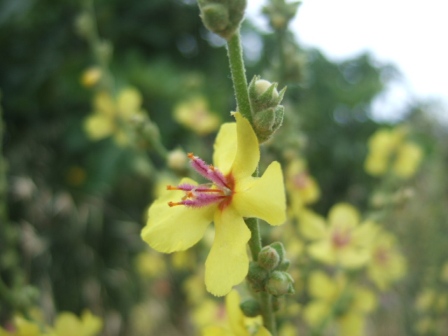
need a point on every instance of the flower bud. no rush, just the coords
(265, 105)
(250, 308)
(257, 276)
(177, 159)
(284, 265)
(91, 77)
(268, 258)
(280, 249)
(222, 17)
(280, 283)
(280, 13)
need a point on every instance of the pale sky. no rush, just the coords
(412, 35)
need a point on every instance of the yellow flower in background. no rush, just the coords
(237, 323)
(150, 264)
(336, 300)
(68, 324)
(91, 77)
(111, 117)
(196, 116)
(302, 188)
(408, 159)
(177, 220)
(343, 242)
(389, 150)
(23, 327)
(386, 263)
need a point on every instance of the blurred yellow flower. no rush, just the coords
(68, 324)
(23, 327)
(302, 188)
(150, 264)
(195, 115)
(237, 323)
(336, 300)
(178, 220)
(91, 76)
(343, 242)
(386, 264)
(111, 117)
(389, 150)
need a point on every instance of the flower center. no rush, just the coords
(300, 180)
(219, 190)
(341, 238)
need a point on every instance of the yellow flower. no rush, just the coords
(150, 265)
(335, 300)
(91, 76)
(195, 115)
(386, 264)
(68, 324)
(178, 220)
(302, 188)
(237, 324)
(111, 117)
(408, 159)
(343, 242)
(390, 145)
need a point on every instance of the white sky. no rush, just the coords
(412, 35)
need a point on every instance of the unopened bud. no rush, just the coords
(250, 308)
(257, 276)
(284, 265)
(280, 249)
(266, 109)
(280, 283)
(177, 159)
(91, 77)
(268, 258)
(222, 17)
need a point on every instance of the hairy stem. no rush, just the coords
(235, 54)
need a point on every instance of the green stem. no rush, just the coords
(235, 54)
(267, 313)
(255, 239)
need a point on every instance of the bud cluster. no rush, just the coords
(280, 13)
(222, 17)
(266, 109)
(268, 274)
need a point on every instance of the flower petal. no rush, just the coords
(262, 197)
(129, 101)
(234, 314)
(98, 126)
(227, 263)
(343, 216)
(225, 147)
(247, 149)
(176, 228)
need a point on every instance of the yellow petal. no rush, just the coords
(176, 228)
(323, 251)
(227, 263)
(311, 225)
(104, 104)
(322, 287)
(98, 126)
(234, 313)
(225, 147)
(262, 331)
(344, 216)
(216, 331)
(91, 324)
(247, 149)
(408, 159)
(129, 101)
(262, 197)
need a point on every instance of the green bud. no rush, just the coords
(250, 308)
(265, 105)
(280, 283)
(280, 13)
(257, 276)
(268, 258)
(284, 265)
(222, 17)
(280, 249)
